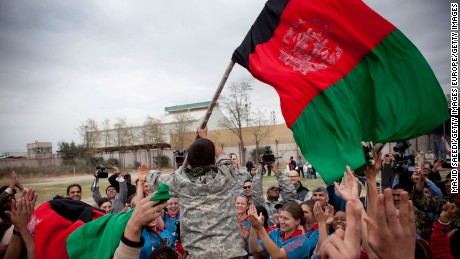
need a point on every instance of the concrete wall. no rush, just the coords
(12, 163)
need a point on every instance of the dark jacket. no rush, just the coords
(302, 193)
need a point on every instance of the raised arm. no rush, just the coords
(20, 213)
(9, 191)
(131, 242)
(371, 176)
(142, 173)
(256, 222)
(257, 188)
(95, 189)
(287, 188)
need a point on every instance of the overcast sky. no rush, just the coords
(63, 62)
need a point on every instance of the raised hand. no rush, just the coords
(13, 179)
(330, 214)
(256, 221)
(350, 191)
(448, 211)
(22, 209)
(244, 231)
(145, 212)
(142, 170)
(395, 235)
(202, 133)
(372, 171)
(345, 244)
(320, 215)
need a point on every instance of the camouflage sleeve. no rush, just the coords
(224, 163)
(154, 178)
(424, 204)
(257, 189)
(287, 188)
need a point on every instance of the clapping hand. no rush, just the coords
(256, 221)
(22, 209)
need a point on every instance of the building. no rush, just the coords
(39, 150)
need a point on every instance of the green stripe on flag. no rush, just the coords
(391, 95)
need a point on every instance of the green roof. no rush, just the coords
(187, 106)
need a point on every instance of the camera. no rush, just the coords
(268, 157)
(401, 146)
(100, 171)
(179, 155)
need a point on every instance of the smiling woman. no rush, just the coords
(286, 242)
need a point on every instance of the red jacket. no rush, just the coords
(440, 243)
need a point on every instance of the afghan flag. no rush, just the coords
(344, 75)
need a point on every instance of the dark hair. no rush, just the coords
(248, 181)
(264, 213)
(109, 187)
(295, 210)
(337, 211)
(102, 201)
(422, 249)
(163, 252)
(73, 185)
(127, 178)
(321, 189)
(130, 198)
(401, 186)
(201, 152)
(309, 203)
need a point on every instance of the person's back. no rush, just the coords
(209, 226)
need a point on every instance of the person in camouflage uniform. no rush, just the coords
(241, 175)
(275, 195)
(435, 205)
(423, 224)
(209, 223)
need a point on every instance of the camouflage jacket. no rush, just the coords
(423, 224)
(433, 205)
(257, 190)
(209, 225)
(287, 194)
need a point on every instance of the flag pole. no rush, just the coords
(217, 94)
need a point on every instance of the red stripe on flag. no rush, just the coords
(316, 44)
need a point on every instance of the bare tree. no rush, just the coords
(259, 128)
(121, 132)
(90, 133)
(106, 132)
(153, 131)
(236, 105)
(121, 138)
(181, 127)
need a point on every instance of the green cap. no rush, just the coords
(162, 193)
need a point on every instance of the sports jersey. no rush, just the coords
(152, 241)
(297, 245)
(170, 223)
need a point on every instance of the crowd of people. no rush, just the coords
(215, 209)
